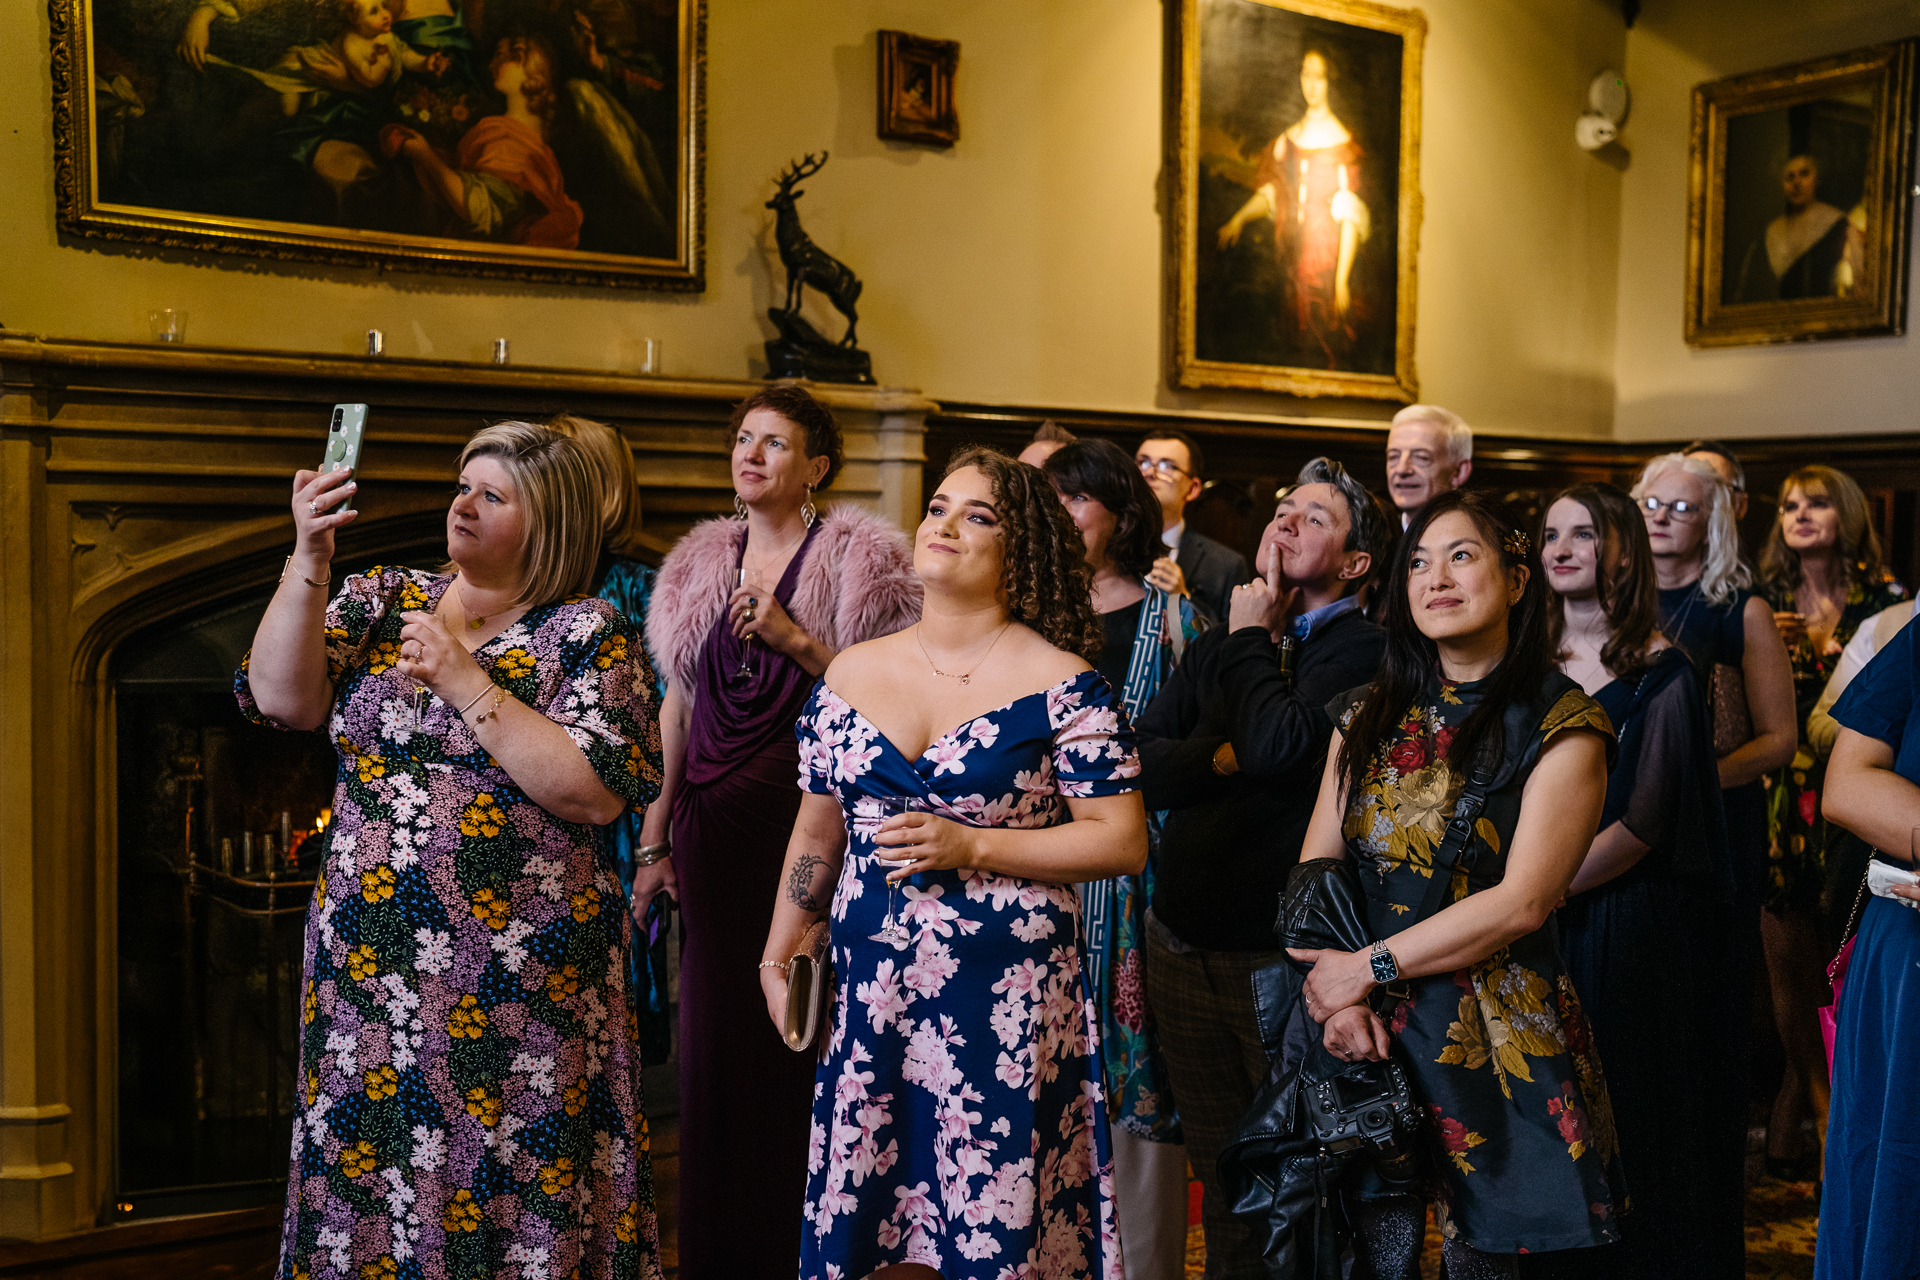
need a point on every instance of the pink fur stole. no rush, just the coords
(857, 583)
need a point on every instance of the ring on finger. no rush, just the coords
(313, 508)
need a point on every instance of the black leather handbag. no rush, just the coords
(1318, 1121)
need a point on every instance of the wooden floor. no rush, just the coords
(241, 1246)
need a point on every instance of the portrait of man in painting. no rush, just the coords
(1799, 200)
(503, 125)
(1797, 219)
(1296, 170)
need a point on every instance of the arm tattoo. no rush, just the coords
(800, 889)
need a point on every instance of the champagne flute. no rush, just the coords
(746, 642)
(893, 928)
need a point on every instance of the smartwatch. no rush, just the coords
(1385, 969)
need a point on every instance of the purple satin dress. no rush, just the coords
(745, 1098)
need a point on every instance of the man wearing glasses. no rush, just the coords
(1195, 565)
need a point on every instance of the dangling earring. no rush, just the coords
(739, 508)
(807, 513)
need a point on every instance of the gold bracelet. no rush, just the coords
(303, 577)
(493, 711)
(476, 697)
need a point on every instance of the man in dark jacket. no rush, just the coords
(1195, 565)
(1233, 747)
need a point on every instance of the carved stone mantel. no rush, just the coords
(143, 482)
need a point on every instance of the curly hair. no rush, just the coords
(1048, 584)
(536, 55)
(814, 419)
(1859, 544)
(1100, 470)
(1722, 573)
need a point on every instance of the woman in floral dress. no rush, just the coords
(470, 1085)
(1820, 571)
(1478, 1005)
(959, 1124)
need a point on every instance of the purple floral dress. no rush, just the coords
(469, 1083)
(958, 1113)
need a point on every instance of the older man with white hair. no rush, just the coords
(1429, 451)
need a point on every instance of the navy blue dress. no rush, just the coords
(1640, 951)
(958, 1112)
(1871, 1200)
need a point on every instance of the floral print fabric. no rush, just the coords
(958, 1116)
(1798, 837)
(1500, 1052)
(469, 1087)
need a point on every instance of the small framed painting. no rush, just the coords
(1297, 196)
(916, 89)
(1799, 201)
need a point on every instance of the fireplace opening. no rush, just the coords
(221, 827)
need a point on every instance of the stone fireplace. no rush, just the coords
(152, 882)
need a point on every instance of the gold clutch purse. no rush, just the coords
(809, 981)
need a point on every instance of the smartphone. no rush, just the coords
(343, 442)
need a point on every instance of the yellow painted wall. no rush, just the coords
(1022, 267)
(1666, 389)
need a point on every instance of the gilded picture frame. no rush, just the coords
(511, 139)
(916, 89)
(1296, 197)
(1800, 201)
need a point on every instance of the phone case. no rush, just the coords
(343, 442)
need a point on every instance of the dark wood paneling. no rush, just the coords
(234, 1246)
(1246, 462)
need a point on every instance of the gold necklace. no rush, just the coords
(475, 621)
(964, 677)
(758, 574)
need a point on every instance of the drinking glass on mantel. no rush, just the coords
(167, 324)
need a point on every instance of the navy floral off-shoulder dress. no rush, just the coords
(958, 1112)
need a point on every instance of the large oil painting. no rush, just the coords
(530, 139)
(1298, 199)
(1801, 200)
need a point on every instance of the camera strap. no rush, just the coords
(1457, 851)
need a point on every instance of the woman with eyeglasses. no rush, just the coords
(1707, 609)
(1820, 570)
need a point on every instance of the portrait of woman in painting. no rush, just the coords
(1309, 184)
(1797, 227)
(1296, 160)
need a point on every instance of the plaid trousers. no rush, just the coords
(1203, 1004)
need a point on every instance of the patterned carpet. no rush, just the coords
(1781, 1217)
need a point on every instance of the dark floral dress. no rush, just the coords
(1501, 1052)
(1798, 838)
(958, 1109)
(469, 1086)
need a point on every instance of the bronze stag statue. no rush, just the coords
(801, 351)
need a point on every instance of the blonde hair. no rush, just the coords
(1859, 545)
(1722, 574)
(612, 462)
(556, 481)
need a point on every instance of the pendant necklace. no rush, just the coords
(755, 576)
(964, 677)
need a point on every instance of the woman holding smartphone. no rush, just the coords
(469, 1091)
(1486, 1020)
(745, 616)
